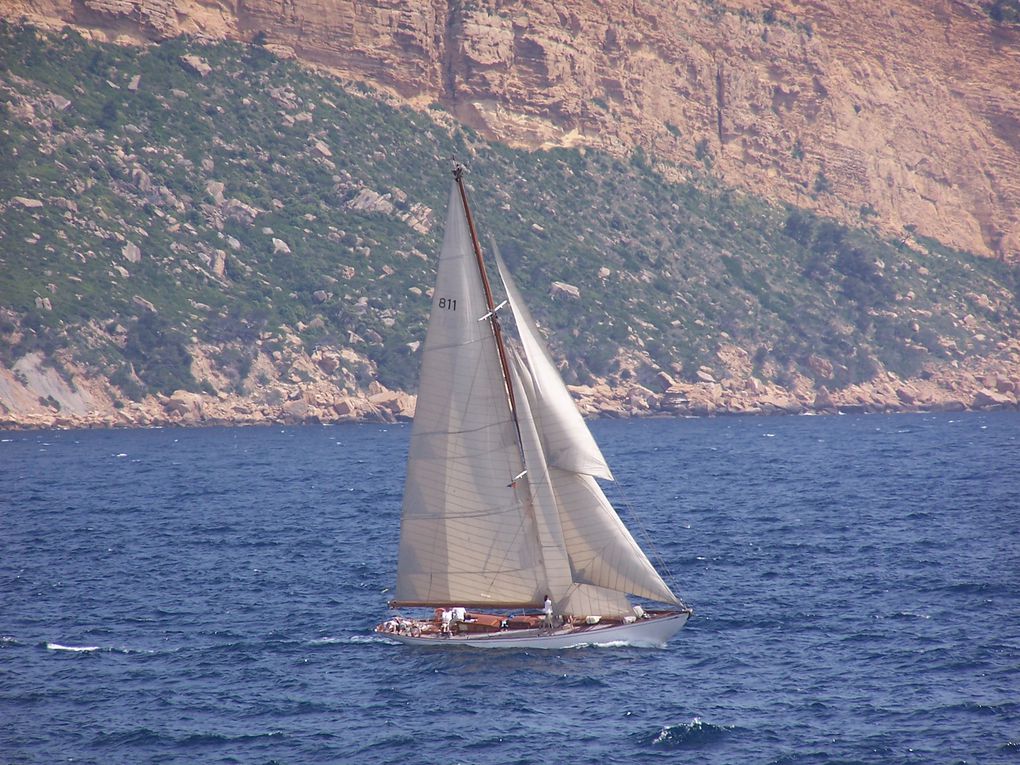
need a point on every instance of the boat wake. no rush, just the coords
(353, 639)
(620, 644)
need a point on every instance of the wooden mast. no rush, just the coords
(458, 175)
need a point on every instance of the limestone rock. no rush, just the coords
(368, 200)
(196, 65)
(218, 263)
(138, 300)
(664, 381)
(989, 399)
(564, 290)
(215, 190)
(823, 400)
(295, 410)
(131, 253)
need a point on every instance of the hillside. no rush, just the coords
(901, 113)
(208, 232)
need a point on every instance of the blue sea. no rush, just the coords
(207, 596)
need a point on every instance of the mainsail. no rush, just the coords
(464, 537)
(501, 505)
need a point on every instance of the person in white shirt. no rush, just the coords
(547, 611)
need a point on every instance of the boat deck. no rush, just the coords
(529, 631)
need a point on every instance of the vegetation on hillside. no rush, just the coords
(153, 196)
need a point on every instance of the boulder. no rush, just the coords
(196, 65)
(641, 398)
(328, 363)
(664, 381)
(779, 404)
(367, 200)
(218, 263)
(989, 399)
(215, 190)
(559, 290)
(295, 410)
(1005, 386)
(131, 253)
(185, 405)
(823, 400)
(906, 395)
(141, 302)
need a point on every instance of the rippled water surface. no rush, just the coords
(182, 596)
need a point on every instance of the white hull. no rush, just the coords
(654, 632)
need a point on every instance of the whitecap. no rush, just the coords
(73, 648)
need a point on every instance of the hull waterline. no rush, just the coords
(652, 633)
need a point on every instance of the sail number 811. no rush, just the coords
(450, 304)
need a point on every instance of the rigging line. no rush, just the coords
(649, 541)
(458, 175)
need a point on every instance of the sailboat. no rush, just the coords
(502, 513)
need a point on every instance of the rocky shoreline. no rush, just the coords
(956, 392)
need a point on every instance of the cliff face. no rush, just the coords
(900, 114)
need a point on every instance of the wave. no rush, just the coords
(586, 681)
(692, 735)
(147, 736)
(91, 648)
(72, 648)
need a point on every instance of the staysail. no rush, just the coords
(601, 550)
(501, 505)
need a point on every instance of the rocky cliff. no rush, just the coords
(202, 232)
(901, 114)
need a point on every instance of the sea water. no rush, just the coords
(185, 596)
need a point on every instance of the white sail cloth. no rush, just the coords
(464, 537)
(470, 534)
(568, 443)
(585, 528)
